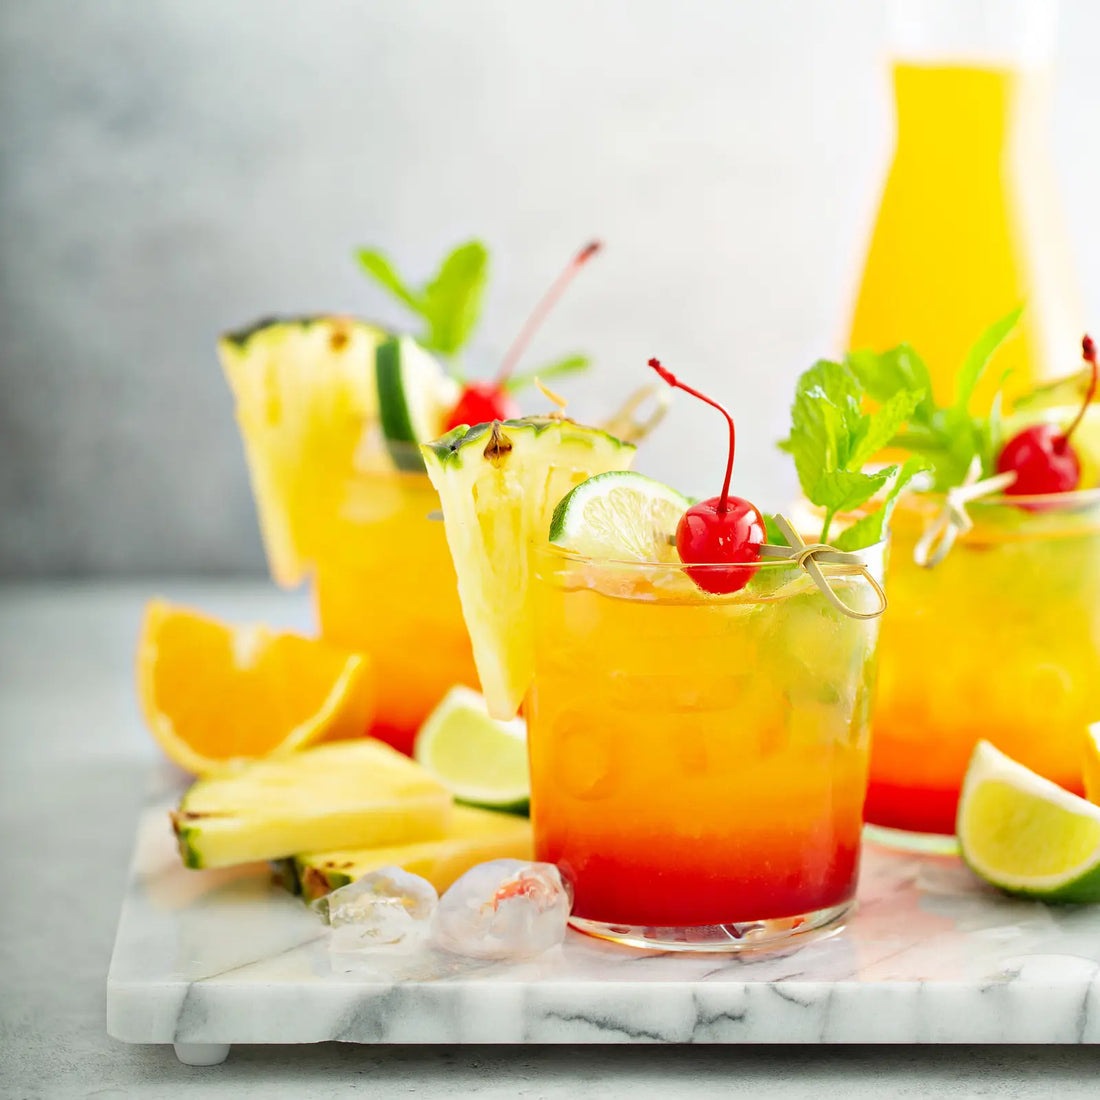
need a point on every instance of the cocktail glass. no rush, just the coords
(384, 585)
(699, 762)
(1000, 640)
(347, 511)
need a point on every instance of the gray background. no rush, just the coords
(173, 169)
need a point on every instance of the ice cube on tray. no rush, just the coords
(504, 909)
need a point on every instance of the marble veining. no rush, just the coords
(929, 956)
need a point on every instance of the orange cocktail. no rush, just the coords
(698, 762)
(968, 227)
(384, 585)
(347, 510)
(999, 641)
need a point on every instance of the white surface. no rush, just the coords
(73, 764)
(930, 956)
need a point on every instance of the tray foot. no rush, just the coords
(201, 1054)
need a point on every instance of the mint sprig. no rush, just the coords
(449, 303)
(948, 438)
(832, 438)
(869, 529)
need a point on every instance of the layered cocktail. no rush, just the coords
(384, 585)
(698, 761)
(999, 641)
(697, 680)
(994, 582)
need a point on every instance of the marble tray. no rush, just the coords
(204, 959)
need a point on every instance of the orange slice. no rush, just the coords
(215, 694)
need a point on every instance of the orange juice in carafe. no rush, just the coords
(969, 223)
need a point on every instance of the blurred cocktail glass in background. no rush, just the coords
(348, 510)
(699, 762)
(999, 641)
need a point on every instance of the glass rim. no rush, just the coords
(981, 33)
(560, 553)
(1072, 500)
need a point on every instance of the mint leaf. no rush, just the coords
(870, 529)
(921, 440)
(569, 364)
(992, 429)
(825, 411)
(948, 445)
(962, 436)
(379, 268)
(832, 438)
(948, 438)
(977, 358)
(879, 428)
(450, 305)
(451, 302)
(843, 490)
(885, 374)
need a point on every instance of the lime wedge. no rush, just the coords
(1065, 392)
(1027, 835)
(414, 397)
(619, 515)
(479, 759)
(498, 485)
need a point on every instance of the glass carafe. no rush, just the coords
(969, 224)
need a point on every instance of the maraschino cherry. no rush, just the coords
(481, 402)
(1041, 456)
(719, 530)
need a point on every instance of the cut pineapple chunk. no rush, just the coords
(498, 485)
(305, 393)
(474, 836)
(351, 794)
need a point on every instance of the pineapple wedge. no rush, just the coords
(348, 794)
(498, 485)
(305, 396)
(473, 837)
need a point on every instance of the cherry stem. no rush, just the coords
(1088, 352)
(672, 380)
(540, 311)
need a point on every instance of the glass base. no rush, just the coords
(929, 844)
(753, 935)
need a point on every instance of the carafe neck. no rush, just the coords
(1012, 34)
